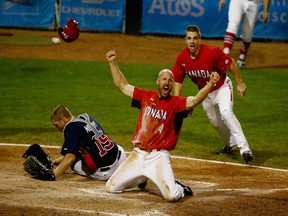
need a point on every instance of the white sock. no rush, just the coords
(226, 50)
(242, 57)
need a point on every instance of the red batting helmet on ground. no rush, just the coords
(70, 32)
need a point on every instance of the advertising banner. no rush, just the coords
(277, 25)
(27, 13)
(98, 15)
(173, 16)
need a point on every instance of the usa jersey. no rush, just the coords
(84, 137)
(209, 59)
(159, 121)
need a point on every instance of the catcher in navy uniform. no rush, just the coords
(87, 149)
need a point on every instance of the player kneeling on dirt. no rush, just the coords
(157, 131)
(87, 149)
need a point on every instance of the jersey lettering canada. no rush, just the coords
(198, 73)
(155, 113)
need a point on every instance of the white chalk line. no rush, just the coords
(230, 163)
(201, 189)
(179, 157)
(264, 191)
(27, 145)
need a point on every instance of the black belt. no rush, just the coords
(150, 150)
(103, 169)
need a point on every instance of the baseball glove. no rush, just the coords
(38, 164)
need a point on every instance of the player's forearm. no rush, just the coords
(57, 160)
(59, 170)
(118, 78)
(64, 164)
(220, 4)
(201, 95)
(177, 88)
(266, 5)
(236, 73)
(191, 102)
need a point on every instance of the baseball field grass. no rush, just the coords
(30, 89)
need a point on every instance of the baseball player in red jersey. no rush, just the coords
(245, 11)
(198, 61)
(156, 133)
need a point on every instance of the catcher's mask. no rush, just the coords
(70, 32)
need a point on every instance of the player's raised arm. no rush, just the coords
(118, 77)
(193, 101)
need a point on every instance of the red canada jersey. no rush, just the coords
(209, 59)
(159, 121)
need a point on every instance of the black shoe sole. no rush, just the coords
(187, 190)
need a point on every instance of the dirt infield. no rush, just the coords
(219, 188)
(145, 49)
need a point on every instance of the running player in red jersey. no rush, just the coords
(156, 133)
(198, 61)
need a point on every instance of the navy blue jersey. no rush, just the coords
(84, 137)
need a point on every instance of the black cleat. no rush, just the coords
(187, 190)
(227, 150)
(247, 156)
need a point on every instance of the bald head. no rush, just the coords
(165, 71)
(165, 83)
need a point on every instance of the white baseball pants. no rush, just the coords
(219, 110)
(141, 165)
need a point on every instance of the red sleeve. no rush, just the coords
(137, 94)
(177, 68)
(182, 103)
(223, 61)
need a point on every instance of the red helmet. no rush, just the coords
(71, 31)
